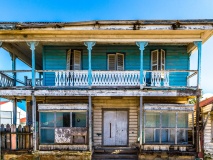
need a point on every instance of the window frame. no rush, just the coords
(159, 60)
(54, 126)
(116, 54)
(176, 129)
(70, 59)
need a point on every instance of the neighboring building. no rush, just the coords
(101, 87)
(6, 114)
(207, 127)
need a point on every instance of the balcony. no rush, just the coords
(101, 79)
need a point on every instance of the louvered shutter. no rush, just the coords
(154, 57)
(68, 58)
(76, 60)
(111, 62)
(120, 61)
(162, 59)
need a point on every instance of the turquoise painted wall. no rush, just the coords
(54, 58)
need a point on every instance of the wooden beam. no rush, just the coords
(100, 92)
(23, 57)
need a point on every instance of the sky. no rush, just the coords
(87, 10)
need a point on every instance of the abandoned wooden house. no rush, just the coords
(206, 131)
(112, 89)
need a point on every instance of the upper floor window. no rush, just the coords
(158, 59)
(116, 61)
(73, 59)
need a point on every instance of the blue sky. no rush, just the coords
(86, 10)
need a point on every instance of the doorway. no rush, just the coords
(115, 127)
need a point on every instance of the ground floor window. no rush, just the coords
(51, 123)
(167, 127)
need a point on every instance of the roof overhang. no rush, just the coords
(15, 35)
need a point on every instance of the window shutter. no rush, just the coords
(111, 62)
(68, 58)
(162, 59)
(154, 57)
(120, 61)
(77, 60)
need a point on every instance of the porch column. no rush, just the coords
(32, 47)
(34, 122)
(15, 111)
(90, 123)
(141, 120)
(89, 45)
(14, 68)
(199, 48)
(141, 46)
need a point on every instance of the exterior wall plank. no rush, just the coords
(176, 59)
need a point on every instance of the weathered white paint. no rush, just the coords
(77, 106)
(63, 147)
(169, 107)
(115, 128)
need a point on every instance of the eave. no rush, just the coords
(184, 32)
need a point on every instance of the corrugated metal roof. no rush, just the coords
(19, 25)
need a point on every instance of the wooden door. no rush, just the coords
(115, 128)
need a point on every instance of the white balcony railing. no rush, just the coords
(117, 78)
(79, 78)
(99, 78)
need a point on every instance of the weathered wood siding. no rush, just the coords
(132, 104)
(176, 59)
(208, 131)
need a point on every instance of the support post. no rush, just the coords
(89, 48)
(141, 120)
(34, 122)
(14, 68)
(90, 123)
(15, 111)
(199, 47)
(141, 46)
(32, 47)
(197, 124)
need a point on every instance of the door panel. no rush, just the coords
(115, 128)
(121, 128)
(109, 127)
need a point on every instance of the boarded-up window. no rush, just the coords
(116, 61)
(158, 59)
(73, 59)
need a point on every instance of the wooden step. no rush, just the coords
(109, 153)
(99, 156)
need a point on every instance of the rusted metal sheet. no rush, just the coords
(51, 107)
(169, 107)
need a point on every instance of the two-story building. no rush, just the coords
(112, 89)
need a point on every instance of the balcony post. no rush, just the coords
(199, 47)
(141, 120)
(15, 111)
(89, 45)
(32, 47)
(141, 46)
(14, 68)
